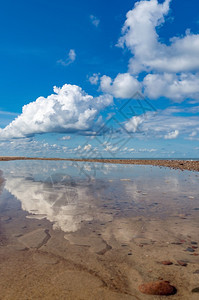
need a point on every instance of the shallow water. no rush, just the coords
(101, 219)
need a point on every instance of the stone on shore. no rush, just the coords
(166, 262)
(162, 288)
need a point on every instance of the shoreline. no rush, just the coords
(173, 164)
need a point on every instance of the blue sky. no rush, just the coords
(99, 54)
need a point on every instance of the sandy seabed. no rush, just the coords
(106, 259)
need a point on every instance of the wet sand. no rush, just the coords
(96, 262)
(109, 255)
(174, 164)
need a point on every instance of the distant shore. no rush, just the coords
(174, 164)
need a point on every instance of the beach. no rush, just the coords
(191, 165)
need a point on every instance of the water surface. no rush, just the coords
(82, 212)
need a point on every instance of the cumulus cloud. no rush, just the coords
(69, 109)
(172, 86)
(173, 67)
(69, 60)
(140, 36)
(172, 135)
(123, 86)
(94, 20)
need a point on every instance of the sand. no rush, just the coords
(74, 266)
(175, 164)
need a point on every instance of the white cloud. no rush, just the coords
(66, 137)
(69, 109)
(87, 147)
(31, 146)
(110, 147)
(140, 36)
(123, 86)
(69, 60)
(131, 150)
(194, 133)
(77, 148)
(174, 66)
(172, 135)
(133, 123)
(72, 55)
(164, 124)
(94, 20)
(94, 78)
(146, 150)
(172, 86)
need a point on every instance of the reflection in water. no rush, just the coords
(61, 201)
(1, 181)
(56, 191)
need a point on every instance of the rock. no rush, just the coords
(176, 243)
(195, 290)
(157, 288)
(196, 272)
(182, 263)
(194, 247)
(166, 262)
(190, 249)
(194, 243)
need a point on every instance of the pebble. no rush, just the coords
(182, 263)
(166, 262)
(194, 243)
(157, 288)
(196, 272)
(176, 243)
(195, 290)
(190, 249)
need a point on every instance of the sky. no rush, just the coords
(99, 78)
